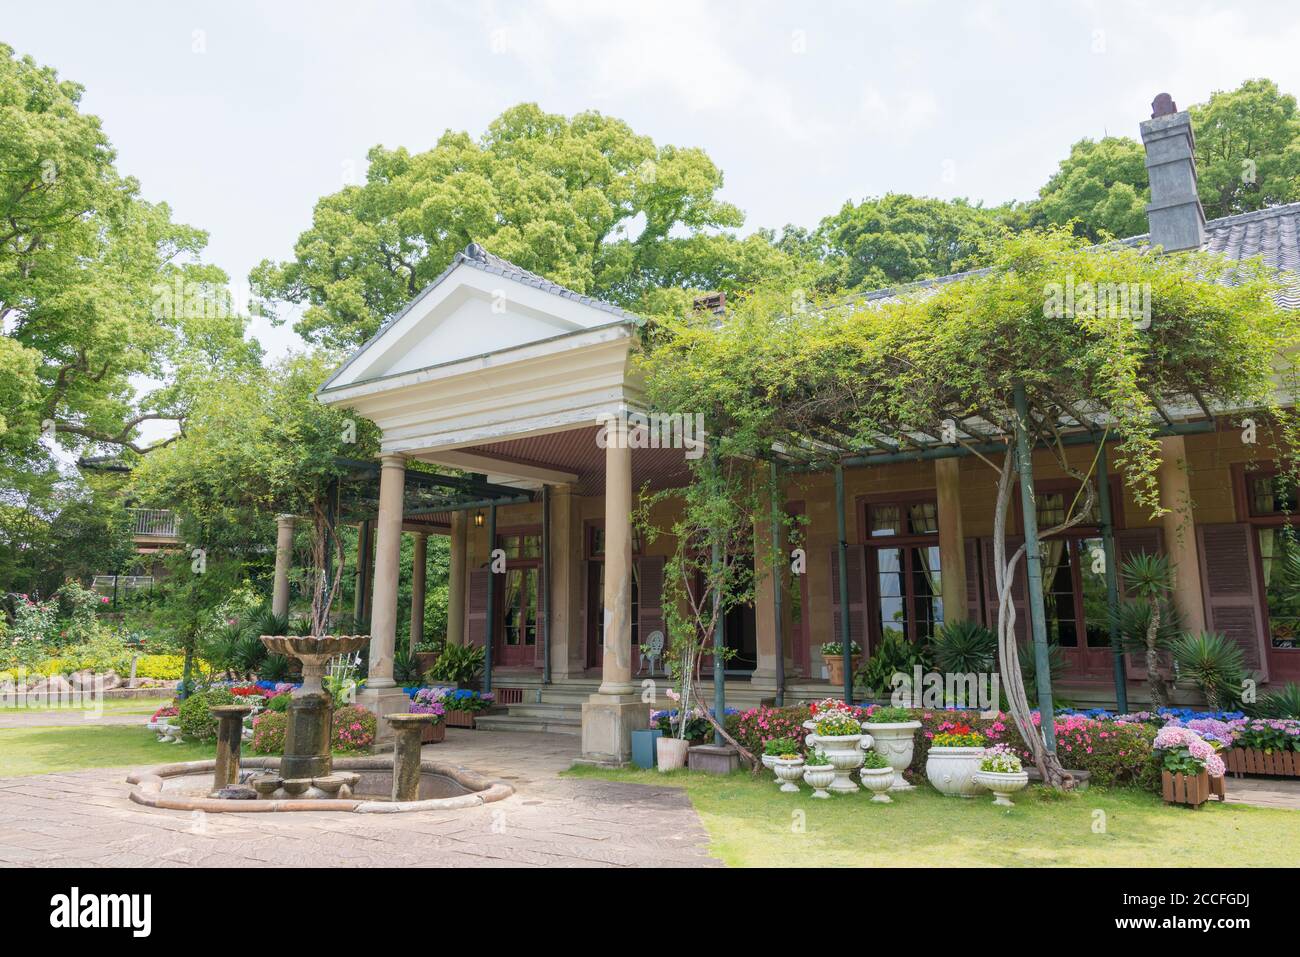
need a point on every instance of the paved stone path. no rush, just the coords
(84, 818)
(1264, 792)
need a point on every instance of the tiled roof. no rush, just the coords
(1272, 233)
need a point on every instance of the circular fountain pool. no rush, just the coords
(188, 787)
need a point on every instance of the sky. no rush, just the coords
(242, 115)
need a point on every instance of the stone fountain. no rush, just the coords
(307, 768)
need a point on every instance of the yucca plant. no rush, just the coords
(965, 647)
(1149, 580)
(1214, 663)
(1283, 703)
(269, 623)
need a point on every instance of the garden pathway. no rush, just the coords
(84, 818)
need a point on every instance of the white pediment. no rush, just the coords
(468, 313)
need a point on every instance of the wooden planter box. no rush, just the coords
(1253, 761)
(1190, 789)
(460, 719)
(433, 733)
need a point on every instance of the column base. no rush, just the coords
(383, 702)
(607, 725)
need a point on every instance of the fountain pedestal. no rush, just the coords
(307, 737)
(406, 753)
(230, 738)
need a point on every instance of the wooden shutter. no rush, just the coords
(1019, 590)
(476, 613)
(857, 597)
(650, 613)
(974, 603)
(1231, 588)
(1128, 543)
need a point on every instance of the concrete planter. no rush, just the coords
(788, 774)
(952, 770)
(670, 753)
(895, 742)
(845, 753)
(819, 777)
(1003, 784)
(879, 781)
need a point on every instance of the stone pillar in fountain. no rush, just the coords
(381, 694)
(230, 738)
(611, 714)
(406, 754)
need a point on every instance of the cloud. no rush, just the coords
(901, 116)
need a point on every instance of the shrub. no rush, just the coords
(889, 715)
(1283, 703)
(279, 702)
(269, 730)
(197, 720)
(757, 726)
(353, 729)
(965, 647)
(161, 667)
(460, 664)
(874, 761)
(780, 746)
(894, 655)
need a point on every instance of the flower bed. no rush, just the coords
(459, 704)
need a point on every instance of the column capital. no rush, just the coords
(393, 460)
(286, 519)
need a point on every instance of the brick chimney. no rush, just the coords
(1174, 214)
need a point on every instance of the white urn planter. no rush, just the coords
(895, 743)
(819, 777)
(879, 782)
(1003, 784)
(952, 770)
(845, 753)
(671, 753)
(789, 773)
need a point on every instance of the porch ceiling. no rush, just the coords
(575, 451)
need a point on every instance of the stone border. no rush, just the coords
(148, 789)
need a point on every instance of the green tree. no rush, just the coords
(1247, 149)
(1103, 185)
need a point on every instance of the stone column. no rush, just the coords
(456, 580)
(952, 541)
(419, 571)
(1180, 532)
(381, 695)
(283, 559)
(230, 738)
(566, 640)
(764, 677)
(406, 754)
(609, 715)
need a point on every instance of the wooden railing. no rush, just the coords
(154, 522)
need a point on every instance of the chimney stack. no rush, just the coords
(1175, 216)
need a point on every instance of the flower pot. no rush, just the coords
(670, 753)
(845, 753)
(879, 781)
(643, 746)
(788, 772)
(835, 668)
(1003, 784)
(819, 777)
(895, 743)
(1190, 789)
(433, 733)
(424, 660)
(952, 770)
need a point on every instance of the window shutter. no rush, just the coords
(974, 602)
(476, 613)
(651, 613)
(1019, 591)
(857, 597)
(1130, 542)
(1232, 600)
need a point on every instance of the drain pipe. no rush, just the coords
(843, 583)
(778, 560)
(546, 584)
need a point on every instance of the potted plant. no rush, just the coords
(670, 752)
(776, 748)
(833, 655)
(818, 772)
(877, 776)
(954, 759)
(426, 655)
(425, 701)
(1187, 762)
(839, 736)
(1264, 746)
(892, 732)
(1001, 772)
(789, 768)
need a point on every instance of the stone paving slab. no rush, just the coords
(83, 819)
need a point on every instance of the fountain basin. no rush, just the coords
(185, 786)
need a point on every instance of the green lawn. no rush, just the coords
(107, 705)
(752, 824)
(25, 751)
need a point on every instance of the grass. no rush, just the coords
(107, 705)
(752, 824)
(26, 751)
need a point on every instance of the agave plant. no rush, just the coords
(1029, 670)
(965, 647)
(1283, 703)
(1214, 663)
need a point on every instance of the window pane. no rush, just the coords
(1051, 508)
(1280, 557)
(530, 597)
(1058, 593)
(884, 520)
(1096, 615)
(927, 592)
(923, 518)
(1271, 495)
(512, 620)
(890, 590)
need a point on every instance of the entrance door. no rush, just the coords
(1074, 599)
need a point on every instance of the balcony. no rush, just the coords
(154, 524)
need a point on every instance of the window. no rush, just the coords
(1271, 499)
(904, 568)
(1074, 581)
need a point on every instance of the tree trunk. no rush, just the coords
(1155, 683)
